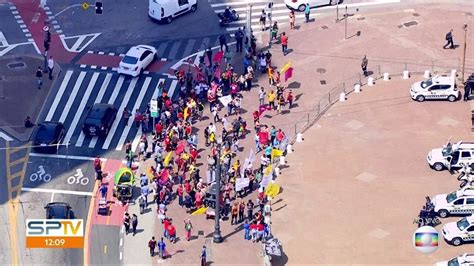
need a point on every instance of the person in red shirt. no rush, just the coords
(187, 186)
(253, 231)
(180, 192)
(172, 232)
(284, 43)
(289, 99)
(260, 230)
(158, 129)
(166, 223)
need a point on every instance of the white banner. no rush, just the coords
(225, 100)
(241, 183)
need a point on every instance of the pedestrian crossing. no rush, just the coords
(79, 90)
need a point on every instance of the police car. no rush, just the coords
(451, 156)
(457, 233)
(435, 88)
(459, 202)
(465, 259)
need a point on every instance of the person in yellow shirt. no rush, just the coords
(271, 99)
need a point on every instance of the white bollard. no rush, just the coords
(370, 81)
(427, 74)
(406, 74)
(282, 160)
(357, 88)
(453, 73)
(289, 148)
(277, 171)
(299, 137)
(342, 97)
(386, 76)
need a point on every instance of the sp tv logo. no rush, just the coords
(54, 233)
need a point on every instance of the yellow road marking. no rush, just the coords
(88, 224)
(12, 215)
(105, 249)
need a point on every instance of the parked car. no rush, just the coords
(59, 210)
(451, 156)
(99, 120)
(48, 135)
(136, 60)
(465, 259)
(167, 10)
(300, 5)
(435, 88)
(460, 232)
(459, 202)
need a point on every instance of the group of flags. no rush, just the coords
(287, 70)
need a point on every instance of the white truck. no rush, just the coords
(460, 232)
(451, 156)
(167, 10)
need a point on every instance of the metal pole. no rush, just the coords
(337, 11)
(217, 229)
(345, 25)
(270, 5)
(464, 53)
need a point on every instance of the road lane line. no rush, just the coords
(78, 43)
(5, 136)
(80, 108)
(121, 241)
(102, 91)
(125, 100)
(59, 95)
(138, 102)
(60, 156)
(172, 88)
(58, 191)
(112, 98)
(72, 97)
(3, 40)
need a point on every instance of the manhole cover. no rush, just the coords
(410, 23)
(323, 82)
(16, 65)
(360, 18)
(321, 70)
(324, 27)
(416, 14)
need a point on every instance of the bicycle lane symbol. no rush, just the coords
(78, 178)
(40, 175)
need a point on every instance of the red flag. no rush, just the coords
(288, 73)
(218, 56)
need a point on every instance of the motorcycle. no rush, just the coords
(427, 215)
(225, 20)
(465, 176)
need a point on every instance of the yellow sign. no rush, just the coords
(85, 5)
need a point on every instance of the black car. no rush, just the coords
(469, 87)
(48, 134)
(99, 120)
(59, 210)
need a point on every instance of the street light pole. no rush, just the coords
(345, 25)
(217, 238)
(464, 53)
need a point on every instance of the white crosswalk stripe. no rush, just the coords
(79, 90)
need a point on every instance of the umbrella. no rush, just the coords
(124, 175)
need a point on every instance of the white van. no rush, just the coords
(166, 10)
(300, 5)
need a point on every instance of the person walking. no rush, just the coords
(241, 211)
(239, 37)
(292, 20)
(171, 232)
(126, 223)
(152, 246)
(134, 224)
(289, 99)
(271, 100)
(162, 249)
(364, 64)
(261, 96)
(307, 11)
(223, 42)
(234, 212)
(250, 206)
(246, 230)
(39, 77)
(188, 227)
(126, 115)
(203, 256)
(28, 123)
(281, 103)
(103, 191)
(263, 19)
(449, 39)
(284, 43)
(50, 67)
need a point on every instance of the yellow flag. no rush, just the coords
(167, 159)
(201, 210)
(285, 68)
(276, 153)
(272, 190)
(185, 115)
(268, 170)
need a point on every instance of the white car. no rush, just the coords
(458, 202)
(459, 232)
(136, 60)
(435, 88)
(465, 259)
(300, 5)
(451, 155)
